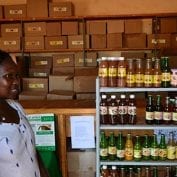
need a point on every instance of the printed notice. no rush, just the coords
(82, 132)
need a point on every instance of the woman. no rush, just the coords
(17, 146)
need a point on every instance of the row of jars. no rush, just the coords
(118, 72)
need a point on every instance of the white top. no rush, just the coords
(17, 147)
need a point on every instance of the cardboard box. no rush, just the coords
(147, 26)
(85, 96)
(83, 84)
(60, 83)
(35, 84)
(114, 40)
(115, 26)
(15, 11)
(32, 95)
(61, 9)
(37, 8)
(10, 44)
(135, 40)
(1, 12)
(90, 59)
(63, 71)
(133, 26)
(174, 40)
(56, 42)
(39, 72)
(96, 27)
(35, 29)
(86, 71)
(23, 65)
(159, 40)
(11, 30)
(98, 41)
(60, 95)
(34, 43)
(53, 28)
(69, 28)
(168, 25)
(81, 27)
(77, 42)
(41, 62)
(63, 60)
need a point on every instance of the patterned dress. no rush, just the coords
(17, 147)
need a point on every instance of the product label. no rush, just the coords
(37, 63)
(122, 110)
(36, 86)
(103, 152)
(55, 43)
(11, 30)
(16, 12)
(158, 115)
(103, 72)
(120, 153)
(139, 78)
(162, 153)
(166, 77)
(130, 79)
(112, 150)
(128, 153)
(171, 152)
(157, 79)
(132, 110)
(154, 152)
(174, 116)
(146, 152)
(148, 79)
(113, 110)
(112, 72)
(149, 115)
(103, 110)
(121, 72)
(137, 154)
(167, 116)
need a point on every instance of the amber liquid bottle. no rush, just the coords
(157, 74)
(131, 109)
(149, 111)
(121, 72)
(167, 112)
(139, 74)
(129, 147)
(174, 113)
(104, 119)
(148, 75)
(130, 77)
(158, 112)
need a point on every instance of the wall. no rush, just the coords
(114, 7)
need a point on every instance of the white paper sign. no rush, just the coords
(82, 132)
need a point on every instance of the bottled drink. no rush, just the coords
(162, 148)
(112, 72)
(103, 146)
(139, 172)
(175, 172)
(167, 112)
(146, 148)
(113, 110)
(132, 109)
(148, 75)
(158, 112)
(121, 72)
(174, 113)
(104, 110)
(166, 72)
(137, 149)
(104, 171)
(171, 147)
(130, 77)
(129, 148)
(155, 172)
(113, 171)
(103, 72)
(154, 148)
(122, 110)
(167, 172)
(112, 147)
(120, 147)
(157, 74)
(130, 172)
(139, 74)
(147, 172)
(149, 111)
(122, 172)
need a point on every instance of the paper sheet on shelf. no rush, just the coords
(82, 132)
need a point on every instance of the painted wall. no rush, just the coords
(114, 7)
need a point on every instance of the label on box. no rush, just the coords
(89, 60)
(14, 12)
(36, 86)
(34, 28)
(33, 43)
(59, 9)
(64, 60)
(43, 126)
(41, 63)
(55, 43)
(77, 42)
(10, 42)
(11, 30)
(39, 74)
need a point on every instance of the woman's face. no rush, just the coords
(9, 80)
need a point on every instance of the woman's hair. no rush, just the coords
(4, 56)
